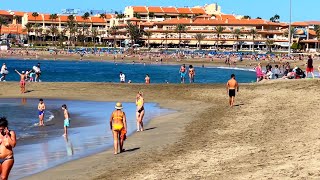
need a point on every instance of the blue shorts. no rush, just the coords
(183, 74)
(41, 112)
(66, 123)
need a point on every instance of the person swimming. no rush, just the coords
(118, 126)
(140, 111)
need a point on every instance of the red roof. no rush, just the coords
(80, 19)
(184, 11)
(140, 9)
(227, 16)
(13, 29)
(299, 24)
(155, 9)
(198, 11)
(63, 18)
(313, 22)
(98, 20)
(170, 10)
(46, 17)
(6, 13)
(31, 18)
(18, 13)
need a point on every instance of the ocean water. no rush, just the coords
(84, 71)
(40, 148)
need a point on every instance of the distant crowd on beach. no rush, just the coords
(285, 71)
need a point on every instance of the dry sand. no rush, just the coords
(273, 133)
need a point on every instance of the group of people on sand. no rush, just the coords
(118, 123)
(183, 72)
(285, 71)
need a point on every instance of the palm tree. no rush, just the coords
(253, 33)
(180, 28)
(113, 31)
(148, 34)
(236, 33)
(53, 18)
(134, 32)
(36, 31)
(246, 17)
(28, 28)
(3, 22)
(102, 16)
(46, 33)
(40, 33)
(54, 31)
(94, 35)
(258, 17)
(219, 30)
(199, 37)
(137, 15)
(35, 15)
(269, 44)
(85, 17)
(16, 18)
(71, 26)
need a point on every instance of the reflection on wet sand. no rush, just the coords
(69, 146)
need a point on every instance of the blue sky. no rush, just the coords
(301, 10)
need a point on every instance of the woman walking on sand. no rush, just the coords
(118, 126)
(140, 111)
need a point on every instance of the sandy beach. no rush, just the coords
(271, 133)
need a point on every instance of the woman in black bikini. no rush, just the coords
(7, 143)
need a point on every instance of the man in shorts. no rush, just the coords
(41, 108)
(232, 87)
(183, 72)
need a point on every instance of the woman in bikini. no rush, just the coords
(140, 111)
(7, 143)
(192, 73)
(118, 125)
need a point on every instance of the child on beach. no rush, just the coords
(66, 122)
(41, 108)
(22, 81)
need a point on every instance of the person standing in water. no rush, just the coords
(122, 78)
(140, 111)
(147, 79)
(41, 108)
(7, 143)
(22, 81)
(3, 72)
(183, 72)
(192, 73)
(66, 122)
(118, 126)
(232, 87)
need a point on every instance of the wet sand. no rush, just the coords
(273, 132)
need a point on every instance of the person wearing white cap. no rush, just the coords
(118, 126)
(22, 81)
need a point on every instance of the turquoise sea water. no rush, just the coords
(40, 148)
(84, 71)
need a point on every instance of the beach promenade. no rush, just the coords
(271, 133)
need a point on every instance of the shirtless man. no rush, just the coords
(232, 86)
(41, 108)
(183, 73)
(23, 78)
(118, 126)
(7, 143)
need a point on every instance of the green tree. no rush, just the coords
(137, 15)
(85, 17)
(54, 31)
(134, 32)
(28, 29)
(180, 28)
(258, 17)
(199, 37)
(296, 46)
(151, 14)
(35, 15)
(72, 28)
(3, 22)
(253, 33)
(219, 30)
(237, 33)
(94, 35)
(148, 34)
(113, 31)
(269, 44)
(246, 17)
(53, 18)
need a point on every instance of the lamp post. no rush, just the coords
(290, 35)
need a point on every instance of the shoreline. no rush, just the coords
(257, 139)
